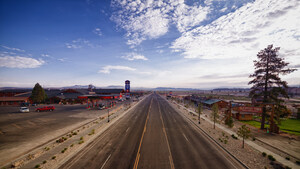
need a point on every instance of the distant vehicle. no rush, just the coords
(45, 108)
(24, 104)
(101, 107)
(24, 109)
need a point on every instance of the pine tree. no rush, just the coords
(267, 85)
(38, 94)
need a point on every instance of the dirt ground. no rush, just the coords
(22, 132)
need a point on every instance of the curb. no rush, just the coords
(207, 135)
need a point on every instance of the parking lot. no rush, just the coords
(21, 132)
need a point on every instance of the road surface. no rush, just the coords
(152, 135)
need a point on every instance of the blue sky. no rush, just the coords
(198, 44)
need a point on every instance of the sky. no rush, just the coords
(153, 43)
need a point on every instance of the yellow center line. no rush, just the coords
(170, 157)
(137, 159)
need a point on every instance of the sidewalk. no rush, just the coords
(250, 143)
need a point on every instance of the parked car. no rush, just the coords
(101, 107)
(45, 108)
(24, 109)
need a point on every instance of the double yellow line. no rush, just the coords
(137, 159)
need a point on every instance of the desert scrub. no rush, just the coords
(287, 158)
(64, 150)
(264, 154)
(80, 142)
(234, 137)
(71, 145)
(37, 166)
(47, 148)
(81, 138)
(270, 157)
(92, 132)
(44, 162)
(54, 157)
(61, 140)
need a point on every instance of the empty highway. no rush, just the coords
(151, 135)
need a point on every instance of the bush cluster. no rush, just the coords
(234, 137)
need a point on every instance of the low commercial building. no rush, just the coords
(13, 101)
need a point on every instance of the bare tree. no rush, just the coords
(215, 114)
(267, 84)
(199, 111)
(243, 132)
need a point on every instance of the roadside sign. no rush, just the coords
(251, 109)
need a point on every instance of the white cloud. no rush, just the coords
(134, 56)
(244, 32)
(45, 55)
(78, 43)
(152, 19)
(107, 69)
(20, 62)
(97, 31)
(13, 49)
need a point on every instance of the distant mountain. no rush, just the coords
(113, 87)
(18, 88)
(231, 89)
(173, 89)
(76, 87)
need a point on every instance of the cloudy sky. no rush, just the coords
(153, 43)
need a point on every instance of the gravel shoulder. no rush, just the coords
(248, 155)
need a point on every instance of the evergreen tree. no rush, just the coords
(243, 132)
(267, 85)
(215, 114)
(38, 94)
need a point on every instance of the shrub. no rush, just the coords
(37, 166)
(81, 138)
(47, 148)
(253, 138)
(270, 157)
(54, 157)
(234, 137)
(287, 158)
(80, 142)
(71, 145)
(92, 132)
(264, 154)
(44, 162)
(298, 162)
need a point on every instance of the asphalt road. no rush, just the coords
(152, 135)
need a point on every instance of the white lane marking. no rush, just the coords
(105, 161)
(185, 137)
